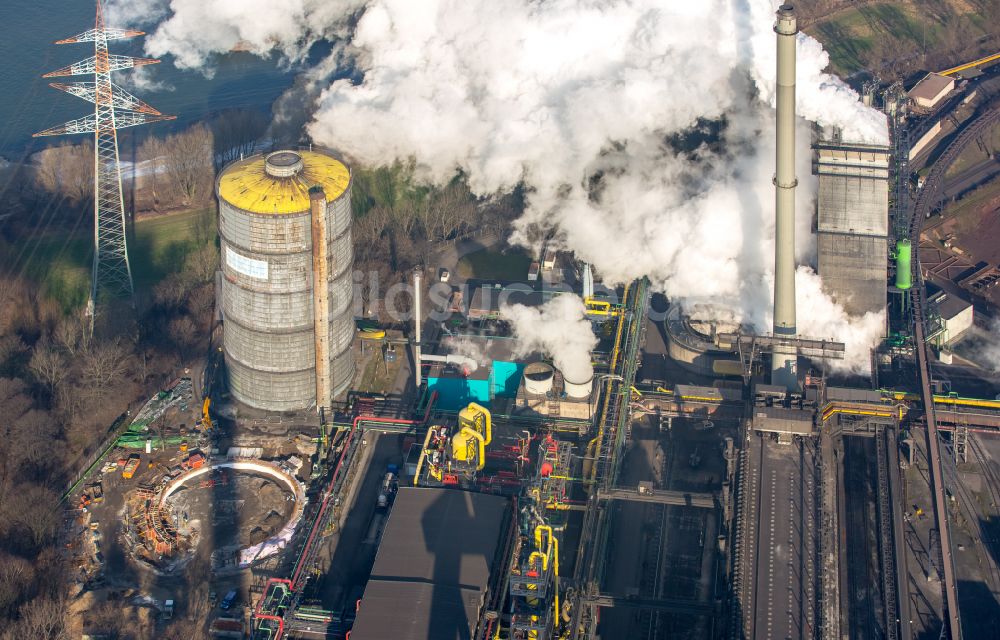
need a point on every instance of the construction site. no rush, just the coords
(694, 478)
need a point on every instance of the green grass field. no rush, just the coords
(854, 36)
(61, 264)
(491, 265)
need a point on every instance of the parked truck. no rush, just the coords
(388, 489)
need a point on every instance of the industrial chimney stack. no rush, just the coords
(418, 277)
(783, 364)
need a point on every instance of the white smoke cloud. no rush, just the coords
(467, 347)
(820, 317)
(196, 30)
(558, 328)
(563, 95)
(991, 348)
(982, 346)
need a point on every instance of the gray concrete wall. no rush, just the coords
(271, 391)
(854, 271)
(853, 224)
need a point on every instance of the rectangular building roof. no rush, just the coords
(931, 88)
(949, 306)
(782, 420)
(433, 566)
(414, 610)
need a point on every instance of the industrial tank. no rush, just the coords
(578, 389)
(904, 279)
(285, 226)
(538, 378)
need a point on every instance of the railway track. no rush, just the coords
(928, 198)
(863, 618)
(989, 533)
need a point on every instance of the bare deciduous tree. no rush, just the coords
(151, 155)
(16, 575)
(68, 170)
(33, 513)
(49, 365)
(42, 618)
(172, 292)
(105, 365)
(11, 348)
(187, 162)
(73, 335)
(202, 264)
(237, 133)
(184, 335)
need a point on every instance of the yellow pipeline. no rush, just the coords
(702, 399)
(967, 402)
(592, 445)
(553, 548)
(831, 411)
(539, 554)
(969, 65)
(423, 454)
(982, 403)
(596, 307)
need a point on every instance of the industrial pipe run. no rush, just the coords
(784, 360)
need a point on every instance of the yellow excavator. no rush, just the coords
(206, 420)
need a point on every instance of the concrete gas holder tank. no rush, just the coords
(578, 390)
(538, 378)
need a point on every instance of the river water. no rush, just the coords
(28, 104)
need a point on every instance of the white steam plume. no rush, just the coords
(558, 328)
(577, 99)
(991, 350)
(982, 346)
(196, 30)
(464, 346)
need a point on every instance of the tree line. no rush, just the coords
(399, 222)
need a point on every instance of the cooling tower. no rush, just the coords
(285, 225)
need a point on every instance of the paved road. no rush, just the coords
(348, 555)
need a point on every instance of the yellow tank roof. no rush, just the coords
(246, 185)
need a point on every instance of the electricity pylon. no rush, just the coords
(114, 108)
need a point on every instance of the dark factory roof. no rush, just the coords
(433, 566)
(783, 420)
